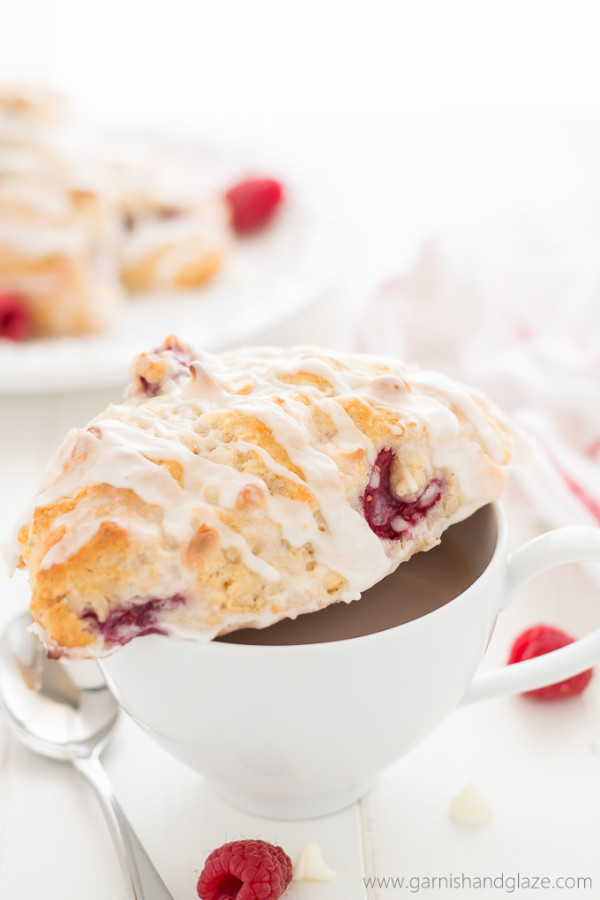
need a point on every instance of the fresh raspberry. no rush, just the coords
(15, 318)
(253, 203)
(248, 870)
(542, 639)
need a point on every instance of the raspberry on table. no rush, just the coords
(253, 203)
(246, 870)
(15, 318)
(536, 641)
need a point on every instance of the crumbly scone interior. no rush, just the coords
(231, 490)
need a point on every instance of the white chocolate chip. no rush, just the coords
(375, 479)
(310, 864)
(428, 494)
(399, 524)
(470, 807)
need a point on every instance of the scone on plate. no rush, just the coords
(57, 227)
(175, 228)
(168, 246)
(86, 219)
(233, 490)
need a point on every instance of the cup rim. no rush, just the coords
(342, 645)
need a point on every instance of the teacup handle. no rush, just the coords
(555, 548)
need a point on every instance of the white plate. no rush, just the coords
(266, 279)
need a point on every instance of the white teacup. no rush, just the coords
(299, 730)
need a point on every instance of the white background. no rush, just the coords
(425, 115)
(190, 58)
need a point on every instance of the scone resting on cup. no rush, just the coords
(233, 490)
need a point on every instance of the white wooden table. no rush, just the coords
(539, 764)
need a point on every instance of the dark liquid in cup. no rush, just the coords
(424, 583)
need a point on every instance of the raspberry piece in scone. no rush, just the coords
(390, 516)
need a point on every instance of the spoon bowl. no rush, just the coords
(63, 709)
(59, 708)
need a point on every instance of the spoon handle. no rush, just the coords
(142, 880)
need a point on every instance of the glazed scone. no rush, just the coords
(233, 490)
(58, 227)
(84, 220)
(88, 220)
(176, 227)
(174, 246)
(55, 254)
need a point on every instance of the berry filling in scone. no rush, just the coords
(391, 517)
(152, 370)
(124, 624)
(150, 388)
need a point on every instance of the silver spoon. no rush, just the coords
(64, 709)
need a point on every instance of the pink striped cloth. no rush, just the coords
(516, 313)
